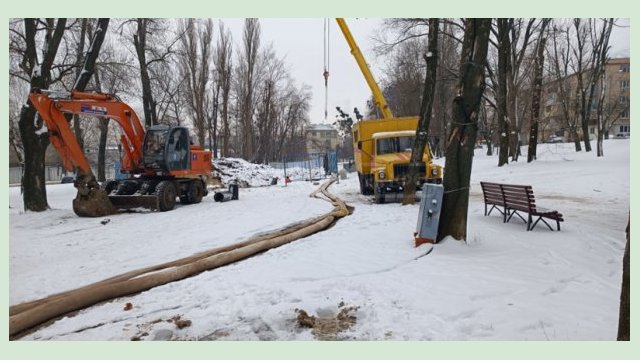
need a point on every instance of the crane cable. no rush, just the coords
(326, 68)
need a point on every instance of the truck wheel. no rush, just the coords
(166, 193)
(369, 185)
(362, 189)
(378, 194)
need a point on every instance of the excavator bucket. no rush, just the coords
(95, 203)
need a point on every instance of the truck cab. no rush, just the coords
(382, 150)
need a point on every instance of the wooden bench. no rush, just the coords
(512, 200)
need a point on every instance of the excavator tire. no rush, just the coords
(95, 204)
(166, 192)
(195, 193)
(109, 185)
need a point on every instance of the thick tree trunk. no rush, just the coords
(33, 134)
(35, 145)
(504, 56)
(460, 145)
(425, 114)
(624, 318)
(537, 94)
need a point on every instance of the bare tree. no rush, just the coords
(88, 69)
(561, 85)
(223, 62)
(426, 108)
(520, 31)
(600, 56)
(247, 80)
(153, 49)
(461, 141)
(537, 93)
(195, 61)
(504, 69)
(77, 128)
(612, 105)
(32, 130)
(274, 78)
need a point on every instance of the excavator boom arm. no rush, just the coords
(362, 64)
(52, 111)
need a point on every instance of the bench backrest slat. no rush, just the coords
(517, 197)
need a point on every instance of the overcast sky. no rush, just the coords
(300, 42)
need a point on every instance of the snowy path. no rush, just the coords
(503, 284)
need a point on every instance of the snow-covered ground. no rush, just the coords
(504, 283)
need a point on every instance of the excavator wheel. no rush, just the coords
(109, 185)
(194, 194)
(166, 192)
(197, 192)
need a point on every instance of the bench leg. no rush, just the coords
(545, 222)
(529, 228)
(558, 222)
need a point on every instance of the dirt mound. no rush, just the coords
(328, 325)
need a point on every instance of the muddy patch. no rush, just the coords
(162, 334)
(327, 324)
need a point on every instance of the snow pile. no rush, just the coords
(255, 175)
(245, 173)
(504, 283)
(302, 174)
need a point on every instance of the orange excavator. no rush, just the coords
(160, 161)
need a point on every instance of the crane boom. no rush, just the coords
(362, 64)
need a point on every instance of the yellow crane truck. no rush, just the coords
(382, 147)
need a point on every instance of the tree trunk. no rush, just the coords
(537, 94)
(35, 146)
(79, 61)
(103, 126)
(576, 139)
(504, 56)
(426, 108)
(34, 139)
(148, 104)
(82, 80)
(624, 320)
(460, 145)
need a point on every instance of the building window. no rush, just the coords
(624, 68)
(625, 128)
(624, 100)
(592, 130)
(624, 114)
(624, 84)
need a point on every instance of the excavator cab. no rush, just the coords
(166, 148)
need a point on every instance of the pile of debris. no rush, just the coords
(245, 173)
